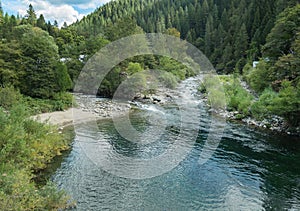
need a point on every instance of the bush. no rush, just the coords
(215, 92)
(287, 103)
(259, 78)
(262, 108)
(60, 102)
(237, 97)
(168, 79)
(9, 97)
(64, 100)
(27, 146)
(172, 66)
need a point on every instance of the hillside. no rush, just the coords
(229, 32)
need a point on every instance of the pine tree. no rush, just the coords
(1, 19)
(241, 46)
(208, 38)
(31, 15)
(41, 23)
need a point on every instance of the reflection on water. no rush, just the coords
(250, 170)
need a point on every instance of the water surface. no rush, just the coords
(250, 170)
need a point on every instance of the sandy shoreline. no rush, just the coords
(89, 108)
(63, 118)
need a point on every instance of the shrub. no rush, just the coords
(27, 146)
(287, 103)
(215, 92)
(258, 77)
(9, 97)
(238, 98)
(60, 102)
(168, 79)
(262, 108)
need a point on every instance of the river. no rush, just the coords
(250, 169)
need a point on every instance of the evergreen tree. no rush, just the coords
(31, 16)
(40, 55)
(41, 23)
(283, 34)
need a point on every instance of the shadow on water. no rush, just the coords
(250, 170)
(44, 175)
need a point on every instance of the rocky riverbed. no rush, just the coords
(273, 123)
(88, 107)
(100, 107)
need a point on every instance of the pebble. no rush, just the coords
(101, 108)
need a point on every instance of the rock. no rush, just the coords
(156, 99)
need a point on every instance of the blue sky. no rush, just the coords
(61, 10)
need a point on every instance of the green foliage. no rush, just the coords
(40, 54)
(137, 83)
(171, 71)
(238, 99)
(287, 103)
(214, 90)
(63, 79)
(284, 32)
(61, 101)
(31, 16)
(93, 45)
(122, 28)
(168, 80)
(27, 145)
(10, 56)
(287, 67)
(228, 33)
(133, 68)
(172, 66)
(173, 32)
(262, 108)
(259, 77)
(9, 97)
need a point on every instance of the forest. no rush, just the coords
(255, 41)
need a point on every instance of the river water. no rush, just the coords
(249, 170)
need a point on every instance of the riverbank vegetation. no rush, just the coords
(26, 147)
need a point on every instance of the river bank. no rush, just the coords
(245, 106)
(86, 108)
(89, 107)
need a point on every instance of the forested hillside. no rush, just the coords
(234, 35)
(39, 59)
(229, 32)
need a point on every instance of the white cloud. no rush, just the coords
(82, 4)
(60, 10)
(92, 4)
(62, 13)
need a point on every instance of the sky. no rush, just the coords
(61, 10)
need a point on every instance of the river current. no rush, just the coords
(250, 169)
